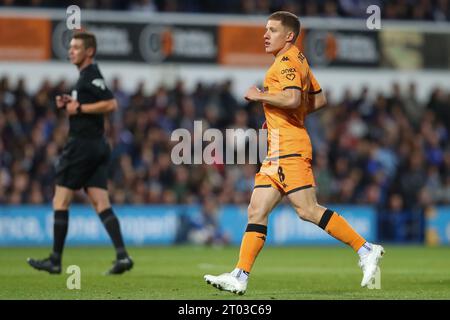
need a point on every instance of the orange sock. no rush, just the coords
(340, 229)
(252, 243)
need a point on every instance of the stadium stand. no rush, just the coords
(396, 10)
(391, 152)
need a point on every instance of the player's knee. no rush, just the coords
(308, 213)
(302, 214)
(255, 213)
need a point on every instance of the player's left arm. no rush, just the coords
(316, 97)
(289, 98)
(316, 101)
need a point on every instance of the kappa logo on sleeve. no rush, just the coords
(100, 83)
(285, 58)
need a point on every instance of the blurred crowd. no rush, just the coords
(437, 10)
(386, 150)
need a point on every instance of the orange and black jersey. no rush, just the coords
(287, 133)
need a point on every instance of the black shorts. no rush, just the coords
(83, 164)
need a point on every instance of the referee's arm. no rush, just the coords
(103, 106)
(105, 101)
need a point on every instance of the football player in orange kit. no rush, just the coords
(290, 93)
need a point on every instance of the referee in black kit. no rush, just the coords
(85, 157)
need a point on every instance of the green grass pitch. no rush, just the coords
(286, 273)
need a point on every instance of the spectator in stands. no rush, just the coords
(143, 6)
(396, 219)
(203, 228)
(438, 10)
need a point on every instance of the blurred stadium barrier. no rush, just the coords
(166, 225)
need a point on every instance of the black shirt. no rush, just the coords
(90, 88)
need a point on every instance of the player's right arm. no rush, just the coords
(287, 76)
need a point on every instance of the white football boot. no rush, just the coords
(369, 263)
(227, 282)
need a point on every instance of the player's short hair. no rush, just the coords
(89, 40)
(288, 20)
